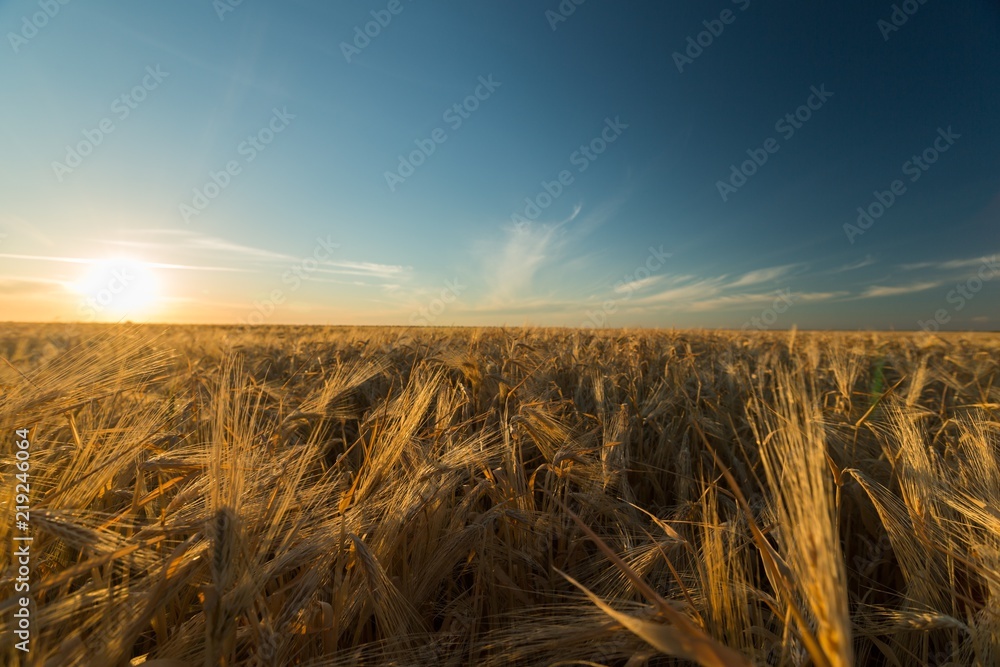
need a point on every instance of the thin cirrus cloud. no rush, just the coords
(368, 269)
(949, 265)
(701, 294)
(762, 275)
(174, 241)
(877, 291)
(761, 298)
(854, 266)
(692, 292)
(192, 245)
(528, 250)
(510, 273)
(946, 270)
(638, 285)
(91, 260)
(510, 266)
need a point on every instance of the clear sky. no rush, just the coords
(697, 164)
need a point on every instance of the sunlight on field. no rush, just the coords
(400, 496)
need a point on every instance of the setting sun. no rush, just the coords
(117, 288)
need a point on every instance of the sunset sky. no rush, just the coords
(620, 164)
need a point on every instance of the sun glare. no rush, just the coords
(117, 288)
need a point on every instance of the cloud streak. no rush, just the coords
(92, 260)
(949, 265)
(878, 291)
(510, 273)
(371, 269)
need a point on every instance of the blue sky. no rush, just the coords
(571, 164)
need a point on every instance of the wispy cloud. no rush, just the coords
(573, 215)
(193, 245)
(371, 269)
(638, 285)
(47, 258)
(697, 290)
(601, 214)
(174, 240)
(689, 290)
(949, 265)
(334, 281)
(737, 301)
(223, 246)
(510, 272)
(762, 275)
(92, 260)
(690, 293)
(876, 291)
(853, 266)
(539, 305)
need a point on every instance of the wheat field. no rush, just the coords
(400, 496)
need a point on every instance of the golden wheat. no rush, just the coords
(396, 496)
